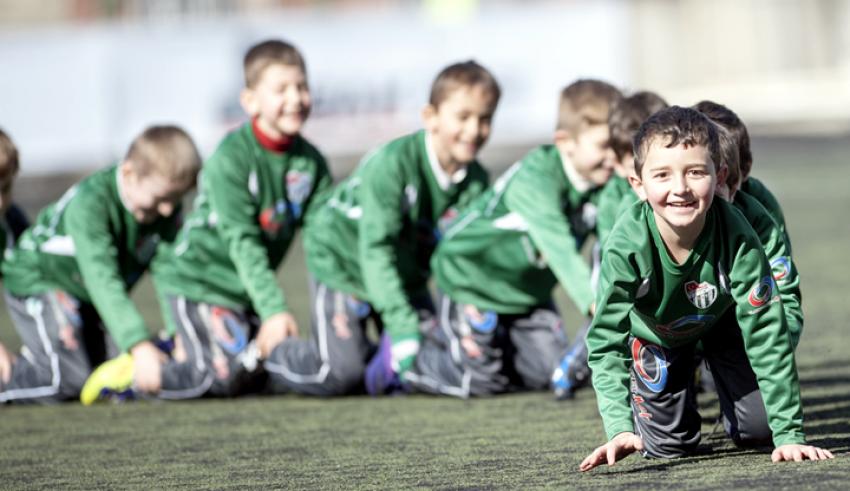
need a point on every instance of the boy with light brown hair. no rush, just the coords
(218, 280)
(681, 269)
(625, 118)
(497, 328)
(370, 257)
(68, 279)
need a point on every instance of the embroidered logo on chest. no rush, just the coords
(702, 295)
(298, 186)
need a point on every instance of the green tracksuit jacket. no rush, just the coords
(375, 235)
(89, 245)
(644, 293)
(250, 203)
(512, 245)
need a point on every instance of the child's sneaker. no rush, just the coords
(380, 378)
(572, 373)
(112, 380)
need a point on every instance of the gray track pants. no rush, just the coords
(331, 362)
(215, 355)
(663, 399)
(63, 339)
(518, 351)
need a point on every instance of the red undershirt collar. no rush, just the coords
(277, 145)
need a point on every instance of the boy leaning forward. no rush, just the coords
(679, 268)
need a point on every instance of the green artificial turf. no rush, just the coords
(514, 441)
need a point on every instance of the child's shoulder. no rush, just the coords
(757, 189)
(616, 187)
(542, 157)
(732, 226)
(632, 231)
(241, 148)
(751, 208)
(99, 185)
(541, 166)
(412, 144)
(396, 156)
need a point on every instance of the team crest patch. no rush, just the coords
(298, 185)
(702, 295)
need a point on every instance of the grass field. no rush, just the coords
(516, 441)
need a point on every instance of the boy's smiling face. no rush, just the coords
(589, 151)
(460, 125)
(280, 100)
(679, 183)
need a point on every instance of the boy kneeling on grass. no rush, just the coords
(681, 267)
(68, 279)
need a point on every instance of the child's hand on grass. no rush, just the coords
(274, 330)
(799, 453)
(618, 448)
(147, 367)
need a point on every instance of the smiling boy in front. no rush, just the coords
(673, 266)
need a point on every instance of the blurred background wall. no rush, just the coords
(79, 78)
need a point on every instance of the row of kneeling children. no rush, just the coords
(677, 275)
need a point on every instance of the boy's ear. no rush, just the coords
(127, 170)
(637, 186)
(429, 117)
(248, 101)
(722, 173)
(564, 140)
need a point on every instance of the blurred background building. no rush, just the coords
(79, 78)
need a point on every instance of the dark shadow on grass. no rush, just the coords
(827, 407)
(836, 445)
(822, 364)
(705, 453)
(825, 381)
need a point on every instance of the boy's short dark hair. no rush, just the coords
(463, 74)
(8, 156)
(261, 55)
(586, 102)
(626, 116)
(677, 126)
(167, 151)
(727, 118)
(729, 154)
